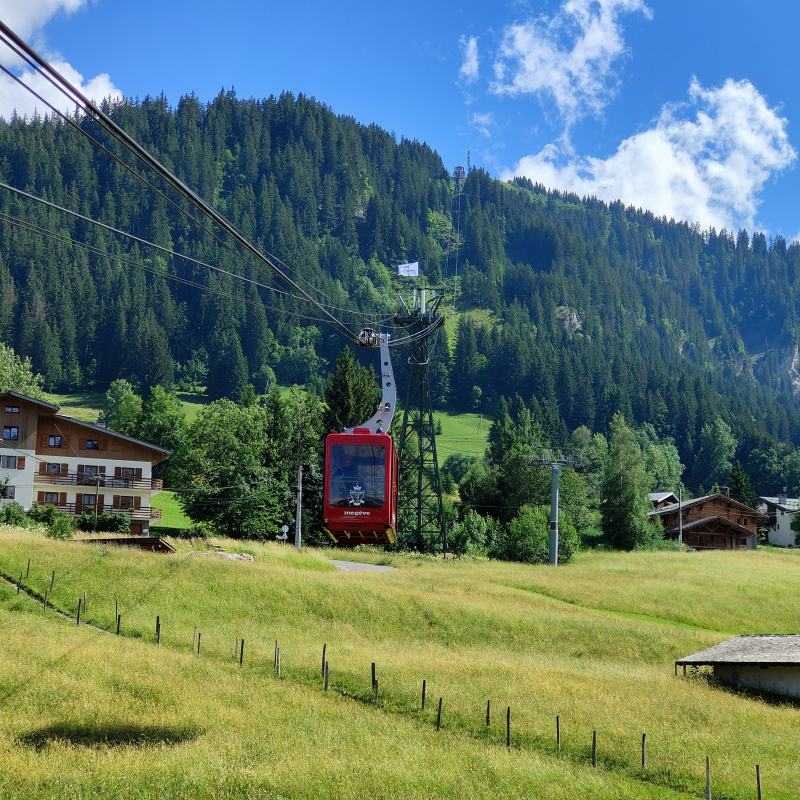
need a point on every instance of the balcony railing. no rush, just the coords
(76, 509)
(107, 481)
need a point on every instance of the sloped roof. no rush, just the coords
(687, 526)
(765, 648)
(109, 432)
(42, 403)
(790, 504)
(673, 507)
(657, 497)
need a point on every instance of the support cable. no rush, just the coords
(93, 111)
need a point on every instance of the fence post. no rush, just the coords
(508, 728)
(424, 682)
(488, 711)
(708, 779)
(644, 751)
(324, 648)
(758, 781)
(558, 732)
(594, 748)
(439, 716)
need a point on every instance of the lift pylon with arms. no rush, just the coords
(420, 510)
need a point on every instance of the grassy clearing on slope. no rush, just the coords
(85, 405)
(473, 630)
(172, 516)
(461, 433)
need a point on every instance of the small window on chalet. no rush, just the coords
(51, 497)
(12, 409)
(90, 470)
(10, 433)
(54, 469)
(54, 441)
(8, 462)
(92, 444)
(89, 500)
(742, 542)
(6, 492)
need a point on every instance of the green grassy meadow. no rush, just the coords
(88, 714)
(172, 516)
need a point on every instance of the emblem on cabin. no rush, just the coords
(357, 495)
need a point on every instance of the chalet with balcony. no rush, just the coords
(661, 499)
(780, 512)
(713, 522)
(78, 467)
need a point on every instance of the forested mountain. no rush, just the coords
(578, 307)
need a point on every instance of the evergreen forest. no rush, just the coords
(562, 313)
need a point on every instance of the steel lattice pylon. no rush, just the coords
(421, 515)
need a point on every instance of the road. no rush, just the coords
(358, 566)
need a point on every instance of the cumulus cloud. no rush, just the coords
(709, 168)
(568, 57)
(26, 19)
(471, 65)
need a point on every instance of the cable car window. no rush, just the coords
(358, 473)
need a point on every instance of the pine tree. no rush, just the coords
(624, 503)
(352, 394)
(741, 488)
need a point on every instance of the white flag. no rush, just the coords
(409, 270)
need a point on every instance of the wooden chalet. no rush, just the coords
(713, 522)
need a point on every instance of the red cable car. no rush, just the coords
(361, 469)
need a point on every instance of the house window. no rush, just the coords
(126, 501)
(7, 492)
(89, 501)
(51, 497)
(10, 433)
(54, 469)
(54, 441)
(8, 462)
(92, 444)
(127, 472)
(12, 409)
(90, 470)
(742, 542)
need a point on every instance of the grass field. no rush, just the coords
(88, 714)
(84, 406)
(172, 516)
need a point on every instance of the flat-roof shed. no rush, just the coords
(763, 662)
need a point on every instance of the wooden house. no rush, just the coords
(78, 467)
(713, 522)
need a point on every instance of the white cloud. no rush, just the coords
(568, 57)
(709, 169)
(482, 122)
(471, 64)
(26, 19)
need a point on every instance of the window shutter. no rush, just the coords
(65, 469)
(43, 440)
(62, 498)
(79, 503)
(137, 503)
(81, 444)
(101, 498)
(103, 444)
(117, 472)
(40, 498)
(42, 468)
(81, 468)
(115, 502)
(21, 462)
(138, 473)
(101, 470)
(64, 441)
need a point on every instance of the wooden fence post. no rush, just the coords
(558, 732)
(508, 728)
(198, 642)
(373, 674)
(439, 716)
(78, 621)
(758, 781)
(488, 711)
(324, 648)
(594, 748)
(241, 653)
(644, 751)
(28, 571)
(52, 581)
(327, 674)
(119, 623)
(424, 682)
(708, 779)
(376, 693)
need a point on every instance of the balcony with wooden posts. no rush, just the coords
(135, 510)
(80, 478)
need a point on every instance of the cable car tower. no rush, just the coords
(420, 510)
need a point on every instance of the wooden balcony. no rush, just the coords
(106, 481)
(139, 514)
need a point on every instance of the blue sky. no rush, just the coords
(691, 109)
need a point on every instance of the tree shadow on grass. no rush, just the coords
(110, 735)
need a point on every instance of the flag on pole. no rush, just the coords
(409, 270)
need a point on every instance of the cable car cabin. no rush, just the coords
(360, 487)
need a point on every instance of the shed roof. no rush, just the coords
(658, 497)
(767, 649)
(741, 508)
(790, 504)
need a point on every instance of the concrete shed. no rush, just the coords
(762, 663)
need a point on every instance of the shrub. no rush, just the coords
(106, 523)
(13, 514)
(470, 536)
(43, 514)
(60, 527)
(527, 537)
